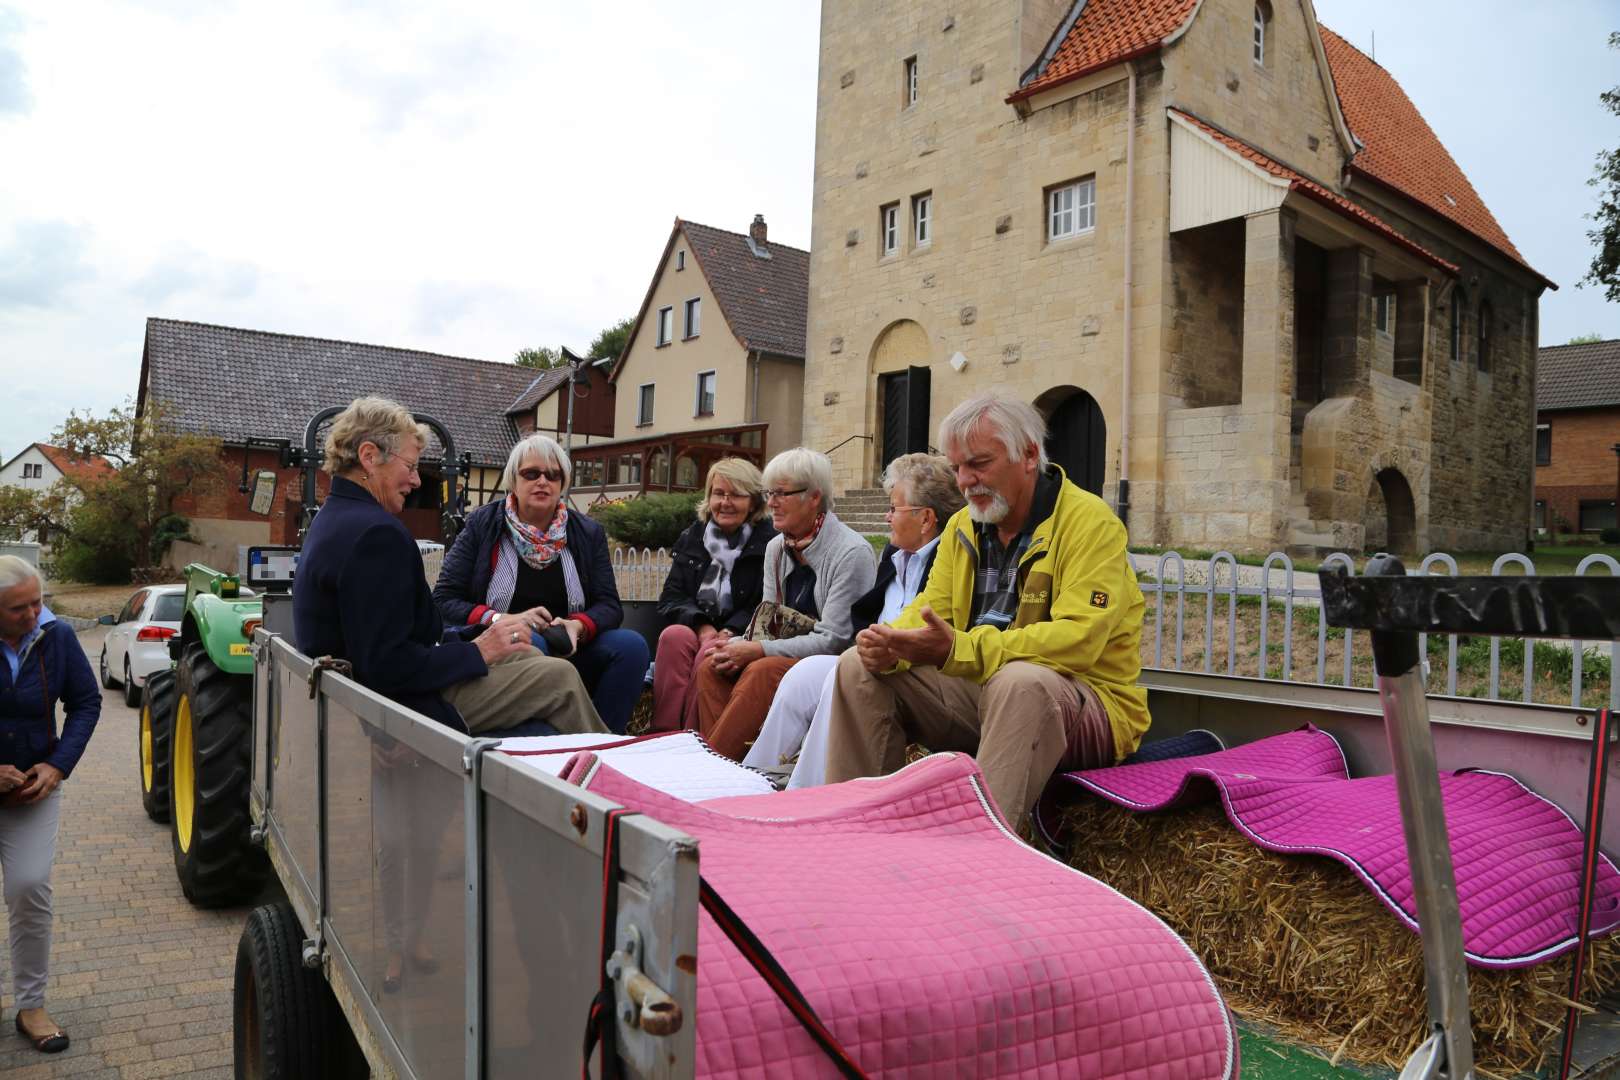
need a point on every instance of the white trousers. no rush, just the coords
(27, 849)
(797, 722)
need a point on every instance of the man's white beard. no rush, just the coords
(992, 514)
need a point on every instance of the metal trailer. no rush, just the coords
(386, 829)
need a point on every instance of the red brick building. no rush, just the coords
(1577, 431)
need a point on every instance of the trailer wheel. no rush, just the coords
(208, 793)
(279, 1007)
(152, 743)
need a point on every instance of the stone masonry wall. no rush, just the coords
(1029, 314)
(1204, 342)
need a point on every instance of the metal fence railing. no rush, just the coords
(640, 572)
(1168, 580)
(1248, 599)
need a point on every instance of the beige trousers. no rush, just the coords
(1022, 725)
(522, 688)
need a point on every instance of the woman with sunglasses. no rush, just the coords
(815, 565)
(715, 581)
(530, 562)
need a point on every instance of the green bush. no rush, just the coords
(652, 521)
(1610, 536)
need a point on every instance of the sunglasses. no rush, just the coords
(532, 474)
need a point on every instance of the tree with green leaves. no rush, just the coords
(1585, 339)
(1605, 270)
(128, 519)
(611, 342)
(541, 359)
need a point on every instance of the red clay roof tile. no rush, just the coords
(1400, 150)
(1107, 32)
(78, 467)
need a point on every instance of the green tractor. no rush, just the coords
(195, 736)
(196, 729)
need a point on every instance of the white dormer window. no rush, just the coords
(911, 82)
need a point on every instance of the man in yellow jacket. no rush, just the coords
(1023, 647)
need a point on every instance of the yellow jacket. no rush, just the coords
(1079, 611)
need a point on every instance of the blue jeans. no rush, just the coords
(613, 667)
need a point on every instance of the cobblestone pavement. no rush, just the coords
(140, 979)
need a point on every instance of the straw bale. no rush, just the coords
(1298, 942)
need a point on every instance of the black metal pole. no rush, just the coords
(1597, 782)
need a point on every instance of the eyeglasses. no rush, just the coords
(411, 465)
(893, 510)
(773, 494)
(729, 496)
(532, 474)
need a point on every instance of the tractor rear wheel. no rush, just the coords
(216, 861)
(152, 742)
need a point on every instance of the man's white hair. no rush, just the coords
(1014, 423)
(16, 571)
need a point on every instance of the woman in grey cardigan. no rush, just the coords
(816, 565)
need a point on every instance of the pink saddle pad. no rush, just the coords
(1517, 856)
(930, 941)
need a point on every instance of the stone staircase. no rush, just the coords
(1307, 538)
(862, 509)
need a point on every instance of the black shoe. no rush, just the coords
(52, 1043)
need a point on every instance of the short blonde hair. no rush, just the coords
(743, 476)
(375, 420)
(929, 481)
(543, 447)
(15, 571)
(802, 467)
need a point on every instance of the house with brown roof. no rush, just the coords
(713, 365)
(256, 391)
(1577, 437)
(572, 403)
(1258, 302)
(40, 466)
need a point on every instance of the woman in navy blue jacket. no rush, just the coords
(531, 561)
(42, 664)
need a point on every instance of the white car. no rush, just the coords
(138, 642)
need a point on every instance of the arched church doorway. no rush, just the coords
(900, 358)
(1076, 435)
(1389, 521)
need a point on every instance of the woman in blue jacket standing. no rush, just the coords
(42, 664)
(530, 560)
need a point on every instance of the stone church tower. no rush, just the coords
(1260, 305)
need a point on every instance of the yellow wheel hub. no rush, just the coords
(146, 746)
(181, 775)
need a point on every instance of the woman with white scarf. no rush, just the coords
(531, 561)
(715, 582)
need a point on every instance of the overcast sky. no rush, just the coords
(478, 177)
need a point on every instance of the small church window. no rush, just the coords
(1486, 317)
(1262, 17)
